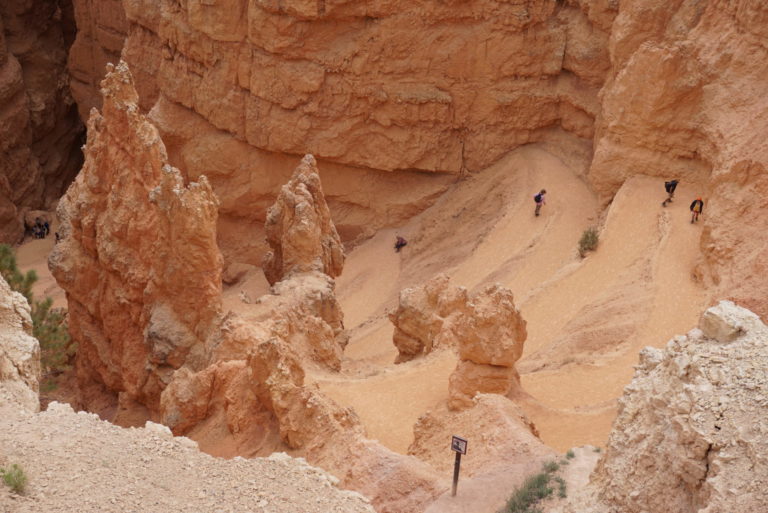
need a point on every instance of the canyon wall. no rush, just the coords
(40, 132)
(101, 31)
(379, 92)
(687, 97)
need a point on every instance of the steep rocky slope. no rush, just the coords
(690, 436)
(40, 131)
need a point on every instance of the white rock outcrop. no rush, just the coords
(692, 432)
(19, 351)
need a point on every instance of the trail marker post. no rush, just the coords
(459, 446)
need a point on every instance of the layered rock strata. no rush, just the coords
(19, 351)
(388, 88)
(486, 330)
(690, 435)
(236, 90)
(137, 258)
(40, 131)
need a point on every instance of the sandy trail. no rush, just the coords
(482, 231)
(642, 247)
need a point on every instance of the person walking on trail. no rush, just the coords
(697, 207)
(670, 187)
(540, 200)
(400, 243)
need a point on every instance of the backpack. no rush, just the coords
(537, 198)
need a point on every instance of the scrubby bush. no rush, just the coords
(49, 325)
(15, 478)
(588, 241)
(570, 454)
(536, 489)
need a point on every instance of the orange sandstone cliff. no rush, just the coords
(40, 131)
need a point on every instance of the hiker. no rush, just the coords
(540, 200)
(38, 229)
(670, 187)
(697, 207)
(46, 229)
(399, 243)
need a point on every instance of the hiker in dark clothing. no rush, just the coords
(540, 200)
(697, 207)
(38, 230)
(399, 243)
(670, 188)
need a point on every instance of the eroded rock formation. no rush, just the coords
(422, 317)
(690, 435)
(299, 230)
(19, 351)
(39, 128)
(138, 257)
(490, 340)
(486, 330)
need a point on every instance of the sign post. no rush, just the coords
(459, 446)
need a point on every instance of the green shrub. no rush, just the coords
(570, 454)
(15, 478)
(10, 271)
(597, 449)
(534, 490)
(588, 241)
(49, 325)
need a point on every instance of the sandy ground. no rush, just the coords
(481, 231)
(33, 255)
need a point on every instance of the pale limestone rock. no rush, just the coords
(299, 229)
(691, 435)
(19, 351)
(726, 322)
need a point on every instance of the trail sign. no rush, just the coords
(459, 446)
